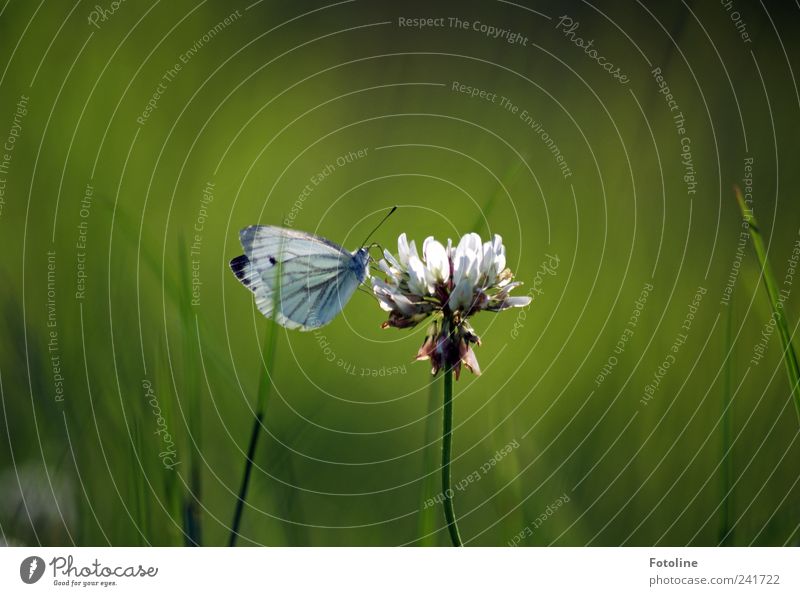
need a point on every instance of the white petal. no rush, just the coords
(499, 254)
(461, 296)
(378, 285)
(517, 301)
(417, 278)
(425, 243)
(383, 294)
(460, 263)
(472, 271)
(436, 259)
(392, 261)
(402, 250)
(404, 304)
(412, 250)
(390, 273)
(413, 256)
(468, 257)
(508, 286)
(487, 261)
(497, 242)
(470, 243)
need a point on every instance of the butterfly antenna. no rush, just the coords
(375, 245)
(375, 229)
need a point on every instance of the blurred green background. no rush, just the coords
(240, 133)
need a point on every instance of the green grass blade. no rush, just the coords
(725, 529)
(264, 387)
(789, 355)
(139, 492)
(191, 391)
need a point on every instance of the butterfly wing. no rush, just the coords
(305, 279)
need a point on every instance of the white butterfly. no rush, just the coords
(314, 278)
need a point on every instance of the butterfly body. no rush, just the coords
(300, 280)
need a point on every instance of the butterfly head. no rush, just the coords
(361, 257)
(361, 261)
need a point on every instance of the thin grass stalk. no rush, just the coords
(789, 355)
(245, 484)
(447, 447)
(264, 386)
(173, 489)
(725, 530)
(192, 520)
(136, 451)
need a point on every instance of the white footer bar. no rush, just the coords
(387, 571)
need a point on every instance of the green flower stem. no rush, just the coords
(447, 447)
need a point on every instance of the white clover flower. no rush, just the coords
(450, 285)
